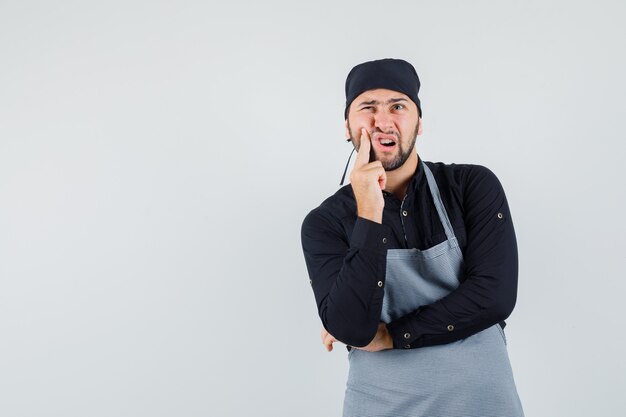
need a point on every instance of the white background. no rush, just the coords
(157, 160)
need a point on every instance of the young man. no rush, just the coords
(413, 265)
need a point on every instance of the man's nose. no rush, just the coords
(383, 121)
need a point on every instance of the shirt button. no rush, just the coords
(450, 327)
(384, 240)
(499, 215)
(405, 213)
(407, 335)
(380, 283)
(407, 346)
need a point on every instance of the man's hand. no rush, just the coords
(328, 339)
(381, 341)
(367, 180)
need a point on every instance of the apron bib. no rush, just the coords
(471, 377)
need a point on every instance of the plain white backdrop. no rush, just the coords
(157, 160)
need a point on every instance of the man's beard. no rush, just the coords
(401, 156)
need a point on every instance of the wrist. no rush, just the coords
(373, 215)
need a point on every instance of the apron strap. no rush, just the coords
(443, 215)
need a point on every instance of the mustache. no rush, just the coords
(374, 135)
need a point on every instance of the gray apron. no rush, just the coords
(469, 377)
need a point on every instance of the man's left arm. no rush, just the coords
(488, 293)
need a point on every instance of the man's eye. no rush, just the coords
(399, 106)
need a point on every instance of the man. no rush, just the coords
(413, 264)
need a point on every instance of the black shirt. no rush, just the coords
(345, 257)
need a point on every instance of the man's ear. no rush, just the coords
(347, 133)
(419, 129)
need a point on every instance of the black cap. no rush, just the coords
(389, 73)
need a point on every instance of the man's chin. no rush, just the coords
(391, 164)
(393, 168)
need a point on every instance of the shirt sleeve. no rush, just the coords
(488, 289)
(347, 275)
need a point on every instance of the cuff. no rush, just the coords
(402, 332)
(369, 234)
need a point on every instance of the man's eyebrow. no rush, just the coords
(391, 100)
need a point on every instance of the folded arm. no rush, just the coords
(347, 277)
(488, 289)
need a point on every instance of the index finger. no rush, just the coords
(363, 156)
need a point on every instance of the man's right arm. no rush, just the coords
(347, 274)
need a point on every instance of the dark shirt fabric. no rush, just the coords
(345, 257)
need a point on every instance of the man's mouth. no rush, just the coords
(386, 142)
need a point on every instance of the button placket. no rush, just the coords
(403, 211)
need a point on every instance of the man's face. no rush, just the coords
(386, 114)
